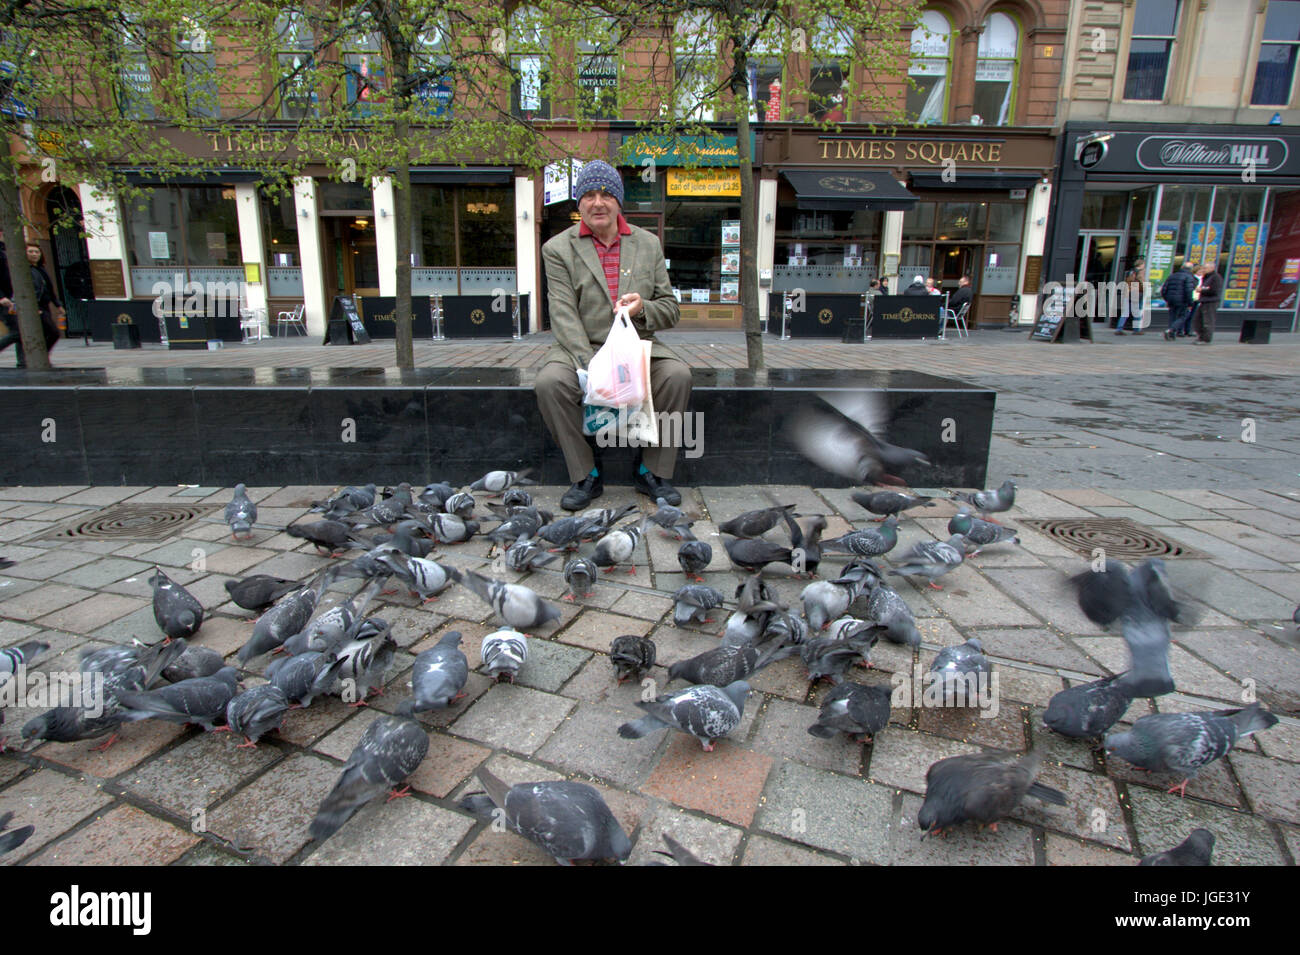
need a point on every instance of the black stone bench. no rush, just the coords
(278, 426)
(1256, 331)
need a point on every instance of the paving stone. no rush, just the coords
(595, 630)
(1205, 499)
(53, 803)
(126, 836)
(412, 625)
(1253, 538)
(936, 630)
(494, 719)
(674, 644)
(761, 850)
(708, 841)
(343, 740)
(65, 493)
(1084, 498)
(1063, 749)
(138, 742)
(206, 853)
(41, 601)
(1222, 552)
(1272, 786)
(271, 815)
(137, 625)
(646, 606)
(783, 731)
(828, 811)
(12, 587)
(50, 565)
(1005, 730)
(1092, 810)
(197, 773)
(1281, 742)
(225, 635)
(971, 600)
(1245, 654)
(725, 783)
(1034, 645)
(449, 762)
(303, 726)
(900, 758)
(587, 742)
(1213, 783)
(1282, 582)
(1046, 591)
(92, 613)
(493, 848)
(401, 832)
(596, 683)
(1012, 844)
(103, 570)
(17, 530)
(1027, 686)
(1164, 821)
(550, 665)
(1062, 851)
(1193, 677)
(290, 566)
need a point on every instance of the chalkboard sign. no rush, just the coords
(345, 308)
(1054, 325)
(1047, 328)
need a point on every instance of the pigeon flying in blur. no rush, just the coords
(845, 435)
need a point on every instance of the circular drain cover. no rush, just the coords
(1119, 537)
(134, 522)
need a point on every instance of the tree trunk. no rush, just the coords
(748, 214)
(402, 223)
(20, 274)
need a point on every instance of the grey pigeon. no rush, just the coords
(580, 575)
(805, 542)
(932, 559)
(754, 524)
(503, 653)
(566, 532)
(516, 497)
(980, 533)
(1088, 710)
(705, 712)
(678, 853)
(334, 627)
(11, 659)
(830, 657)
(460, 504)
(388, 511)
(1194, 850)
(693, 602)
(989, 502)
(823, 601)
(1184, 743)
(407, 537)
(12, 839)
(891, 611)
(672, 520)
(514, 604)
(853, 709)
(617, 547)
(496, 482)
(694, 556)
(849, 438)
(958, 669)
(754, 555)
(201, 700)
(755, 605)
(568, 820)
(241, 513)
(723, 666)
(983, 788)
(632, 656)
(604, 518)
(867, 542)
(259, 591)
(177, 612)
(256, 712)
(425, 578)
(886, 503)
(365, 663)
(290, 615)
(528, 554)
(439, 676)
(331, 537)
(346, 500)
(784, 628)
(452, 528)
(436, 494)
(389, 751)
(305, 676)
(192, 662)
(515, 526)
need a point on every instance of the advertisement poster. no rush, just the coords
(158, 246)
(699, 295)
(1205, 242)
(1290, 272)
(1161, 255)
(730, 261)
(555, 185)
(731, 291)
(1237, 283)
(731, 232)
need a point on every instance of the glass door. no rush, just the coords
(1097, 252)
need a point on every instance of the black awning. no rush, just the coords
(462, 175)
(216, 177)
(848, 189)
(974, 181)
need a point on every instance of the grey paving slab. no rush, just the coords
(900, 758)
(587, 741)
(270, 816)
(1012, 844)
(1164, 505)
(1272, 787)
(1252, 538)
(1247, 654)
(198, 772)
(1222, 552)
(405, 831)
(1048, 593)
(711, 842)
(782, 730)
(828, 811)
(1033, 645)
(550, 665)
(494, 718)
(1163, 821)
(763, 850)
(53, 803)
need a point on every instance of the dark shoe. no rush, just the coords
(655, 488)
(583, 493)
(1139, 332)
(1169, 336)
(1120, 331)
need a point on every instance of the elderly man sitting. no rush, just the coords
(591, 268)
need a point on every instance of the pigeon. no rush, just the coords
(437, 494)
(933, 559)
(452, 529)
(389, 751)
(886, 503)
(678, 853)
(346, 501)
(848, 438)
(785, 628)
(514, 604)
(259, 591)
(604, 518)
(256, 712)
(566, 532)
(438, 679)
(332, 537)
(241, 513)
(705, 712)
(1194, 850)
(830, 656)
(1088, 710)
(11, 659)
(989, 502)
(568, 820)
(304, 677)
(868, 542)
(694, 556)
(177, 612)
(201, 700)
(516, 497)
(515, 526)
(336, 626)
(388, 511)
(6, 563)
(1184, 743)
(1288, 633)
(193, 662)
(983, 787)
(366, 659)
(460, 504)
(850, 708)
(617, 547)
(672, 520)
(959, 668)
(632, 656)
(289, 616)
(823, 600)
(754, 524)
(580, 575)
(496, 482)
(426, 578)
(11, 840)
(891, 611)
(723, 666)
(693, 602)
(503, 653)
(375, 564)
(805, 542)
(408, 537)
(754, 555)
(527, 554)
(980, 533)
(755, 605)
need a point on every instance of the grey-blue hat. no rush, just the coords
(599, 174)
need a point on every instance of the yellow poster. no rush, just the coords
(704, 182)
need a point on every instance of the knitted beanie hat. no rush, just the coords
(599, 174)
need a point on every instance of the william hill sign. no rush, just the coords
(1211, 153)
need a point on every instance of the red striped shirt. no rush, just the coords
(608, 254)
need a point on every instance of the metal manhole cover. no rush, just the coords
(146, 522)
(1119, 537)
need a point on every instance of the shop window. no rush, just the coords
(692, 241)
(598, 69)
(1155, 27)
(436, 86)
(828, 80)
(191, 231)
(765, 91)
(294, 41)
(1280, 258)
(960, 220)
(529, 65)
(363, 82)
(1103, 210)
(433, 220)
(487, 226)
(1006, 221)
(695, 61)
(995, 71)
(1275, 73)
(931, 65)
(280, 233)
(918, 222)
(135, 82)
(199, 68)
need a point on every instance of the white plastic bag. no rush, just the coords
(616, 376)
(595, 418)
(642, 425)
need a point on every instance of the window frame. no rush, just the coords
(1171, 53)
(826, 50)
(1015, 66)
(1259, 50)
(290, 23)
(517, 49)
(947, 59)
(695, 53)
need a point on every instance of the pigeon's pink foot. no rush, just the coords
(935, 586)
(708, 746)
(358, 703)
(993, 827)
(1181, 788)
(247, 744)
(569, 597)
(398, 793)
(633, 569)
(459, 696)
(217, 729)
(430, 600)
(589, 593)
(698, 579)
(103, 747)
(608, 570)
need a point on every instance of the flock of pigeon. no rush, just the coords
(342, 651)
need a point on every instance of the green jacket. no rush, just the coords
(581, 311)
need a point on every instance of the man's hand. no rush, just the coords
(633, 303)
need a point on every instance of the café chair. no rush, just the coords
(294, 318)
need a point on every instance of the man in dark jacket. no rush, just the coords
(962, 296)
(1177, 293)
(917, 287)
(1211, 293)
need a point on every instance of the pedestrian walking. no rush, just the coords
(1177, 292)
(1208, 308)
